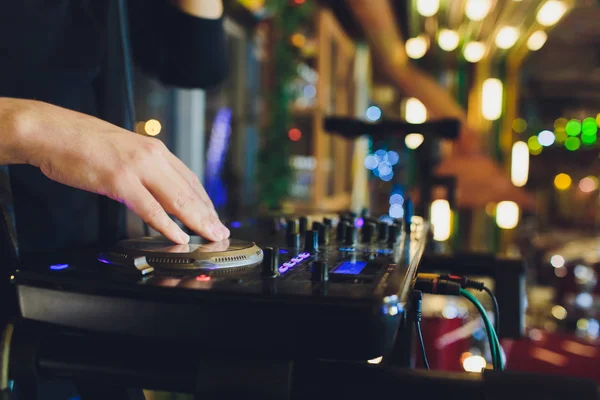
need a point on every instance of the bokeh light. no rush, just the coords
(448, 40)
(396, 198)
(416, 47)
(573, 127)
(295, 134)
(476, 10)
(533, 143)
(589, 127)
(371, 162)
(588, 184)
(547, 138)
(396, 211)
(562, 181)
(572, 143)
(559, 312)
(152, 127)
(507, 214)
(413, 140)
(589, 140)
(560, 123)
(474, 51)
(507, 36)
(519, 125)
(373, 113)
(393, 157)
(557, 261)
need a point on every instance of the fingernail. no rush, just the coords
(184, 237)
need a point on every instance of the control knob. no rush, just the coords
(311, 241)
(320, 271)
(303, 224)
(270, 264)
(369, 232)
(351, 235)
(382, 231)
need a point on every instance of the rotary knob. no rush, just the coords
(382, 231)
(393, 233)
(270, 264)
(369, 232)
(351, 235)
(341, 230)
(311, 241)
(324, 233)
(408, 213)
(320, 271)
(292, 226)
(303, 224)
(328, 222)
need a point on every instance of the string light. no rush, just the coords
(491, 108)
(551, 12)
(440, 219)
(416, 47)
(448, 39)
(414, 111)
(474, 51)
(476, 10)
(507, 36)
(428, 8)
(413, 140)
(537, 40)
(519, 171)
(507, 214)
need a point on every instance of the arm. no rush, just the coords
(90, 154)
(181, 42)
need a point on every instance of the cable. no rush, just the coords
(496, 309)
(416, 301)
(491, 333)
(422, 343)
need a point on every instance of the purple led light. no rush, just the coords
(58, 267)
(297, 259)
(359, 223)
(104, 260)
(236, 224)
(283, 251)
(289, 264)
(304, 255)
(282, 269)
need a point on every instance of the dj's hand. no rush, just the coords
(90, 154)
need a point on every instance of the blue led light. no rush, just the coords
(236, 224)
(346, 248)
(304, 255)
(283, 251)
(58, 267)
(359, 222)
(297, 259)
(288, 264)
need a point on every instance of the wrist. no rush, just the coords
(18, 125)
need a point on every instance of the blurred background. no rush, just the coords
(521, 76)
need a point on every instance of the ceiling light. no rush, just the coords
(448, 40)
(551, 12)
(416, 47)
(428, 8)
(476, 10)
(537, 40)
(474, 51)
(507, 37)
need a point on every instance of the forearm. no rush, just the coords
(15, 124)
(210, 9)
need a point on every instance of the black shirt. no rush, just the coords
(63, 52)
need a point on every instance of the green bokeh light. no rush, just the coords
(589, 127)
(573, 127)
(533, 143)
(589, 139)
(572, 143)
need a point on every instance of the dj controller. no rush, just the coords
(330, 287)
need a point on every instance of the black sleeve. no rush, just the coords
(177, 48)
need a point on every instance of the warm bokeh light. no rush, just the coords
(519, 170)
(507, 36)
(559, 312)
(560, 123)
(416, 47)
(507, 214)
(298, 40)
(441, 216)
(295, 134)
(557, 261)
(491, 107)
(562, 181)
(376, 360)
(414, 111)
(474, 51)
(490, 209)
(551, 12)
(519, 125)
(476, 10)
(588, 184)
(413, 140)
(448, 39)
(428, 8)
(152, 127)
(474, 364)
(537, 40)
